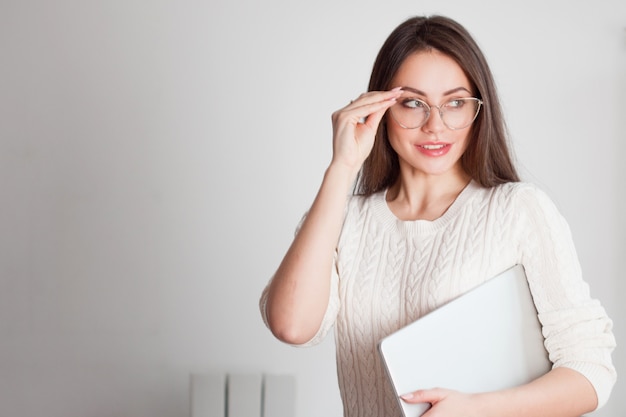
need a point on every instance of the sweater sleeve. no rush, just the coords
(578, 332)
(331, 311)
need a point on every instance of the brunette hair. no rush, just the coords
(487, 158)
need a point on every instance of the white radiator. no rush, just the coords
(242, 395)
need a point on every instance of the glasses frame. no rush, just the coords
(429, 111)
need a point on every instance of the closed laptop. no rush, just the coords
(487, 339)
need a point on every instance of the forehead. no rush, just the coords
(431, 72)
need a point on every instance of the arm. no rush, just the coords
(576, 328)
(561, 392)
(298, 294)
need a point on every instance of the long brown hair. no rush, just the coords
(487, 158)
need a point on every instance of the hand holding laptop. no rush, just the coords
(487, 339)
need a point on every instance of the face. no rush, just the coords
(433, 148)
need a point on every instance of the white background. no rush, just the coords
(155, 157)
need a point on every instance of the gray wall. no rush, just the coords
(155, 157)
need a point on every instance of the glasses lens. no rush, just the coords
(460, 113)
(410, 112)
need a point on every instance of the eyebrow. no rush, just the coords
(446, 93)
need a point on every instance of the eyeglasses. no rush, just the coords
(410, 112)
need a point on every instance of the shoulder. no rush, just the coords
(362, 211)
(509, 196)
(528, 204)
(360, 203)
(520, 194)
(515, 189)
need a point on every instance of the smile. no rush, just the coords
(434, 150)
(432, 147)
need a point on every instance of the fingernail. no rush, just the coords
(407, 396)
(397, 89)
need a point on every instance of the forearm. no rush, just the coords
(562, 392)
(298, 294)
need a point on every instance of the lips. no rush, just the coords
(434, 149)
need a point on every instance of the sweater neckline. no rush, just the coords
(389, 220)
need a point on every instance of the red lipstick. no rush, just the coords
(434, 149)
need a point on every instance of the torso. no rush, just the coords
(393, 272)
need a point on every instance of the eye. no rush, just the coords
(414, 103)
(455, 104)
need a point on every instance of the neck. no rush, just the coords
(425, 197)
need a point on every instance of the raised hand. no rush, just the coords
(355, 126)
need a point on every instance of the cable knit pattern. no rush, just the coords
(389, 273)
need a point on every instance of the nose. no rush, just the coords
(434, 123)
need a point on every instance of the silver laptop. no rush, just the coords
(487, 339)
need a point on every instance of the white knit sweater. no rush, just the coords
(390, 272)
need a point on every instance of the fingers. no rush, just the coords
(355, 126)
(368, 105)
(375, 96)
(432, 396)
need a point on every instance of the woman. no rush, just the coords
(439, 209)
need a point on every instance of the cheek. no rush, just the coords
(397, 134)
(464, 138)
(396, 139)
